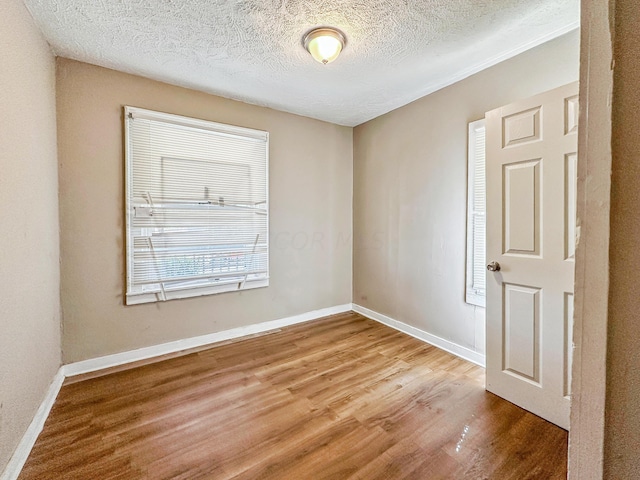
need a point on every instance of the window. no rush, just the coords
(196, 207)
(476, 216)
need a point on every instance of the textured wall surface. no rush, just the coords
(410, 171)
(251, 50)
(310, 185)
(29, 253)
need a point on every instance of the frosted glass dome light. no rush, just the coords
(324, 44)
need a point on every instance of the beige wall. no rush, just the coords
(410, 169)
(29, 272)
(622, 419)
(310, 201)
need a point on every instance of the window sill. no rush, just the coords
(136, 299)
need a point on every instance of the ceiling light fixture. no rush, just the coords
(324, 44)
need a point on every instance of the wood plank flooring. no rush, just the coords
(338, 398)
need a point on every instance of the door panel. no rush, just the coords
(521, 127)
(568, 329)
(522, 331)
(571, 115)
(522, 207)
(570, 188)
(531, 192)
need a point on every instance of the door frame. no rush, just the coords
(586, 435)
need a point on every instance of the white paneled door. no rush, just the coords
(531, 211)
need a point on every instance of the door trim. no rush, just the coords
(586, 434)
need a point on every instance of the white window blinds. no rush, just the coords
(476, 216)
(196, 207)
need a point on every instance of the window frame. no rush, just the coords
(472, 295)
(184, 291)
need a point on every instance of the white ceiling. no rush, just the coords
(251, 50)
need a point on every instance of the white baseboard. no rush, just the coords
(458, 350)
(100, 363)
(19, 457)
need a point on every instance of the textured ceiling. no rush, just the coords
(250, 50)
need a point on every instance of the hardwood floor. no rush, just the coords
(339, 398)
